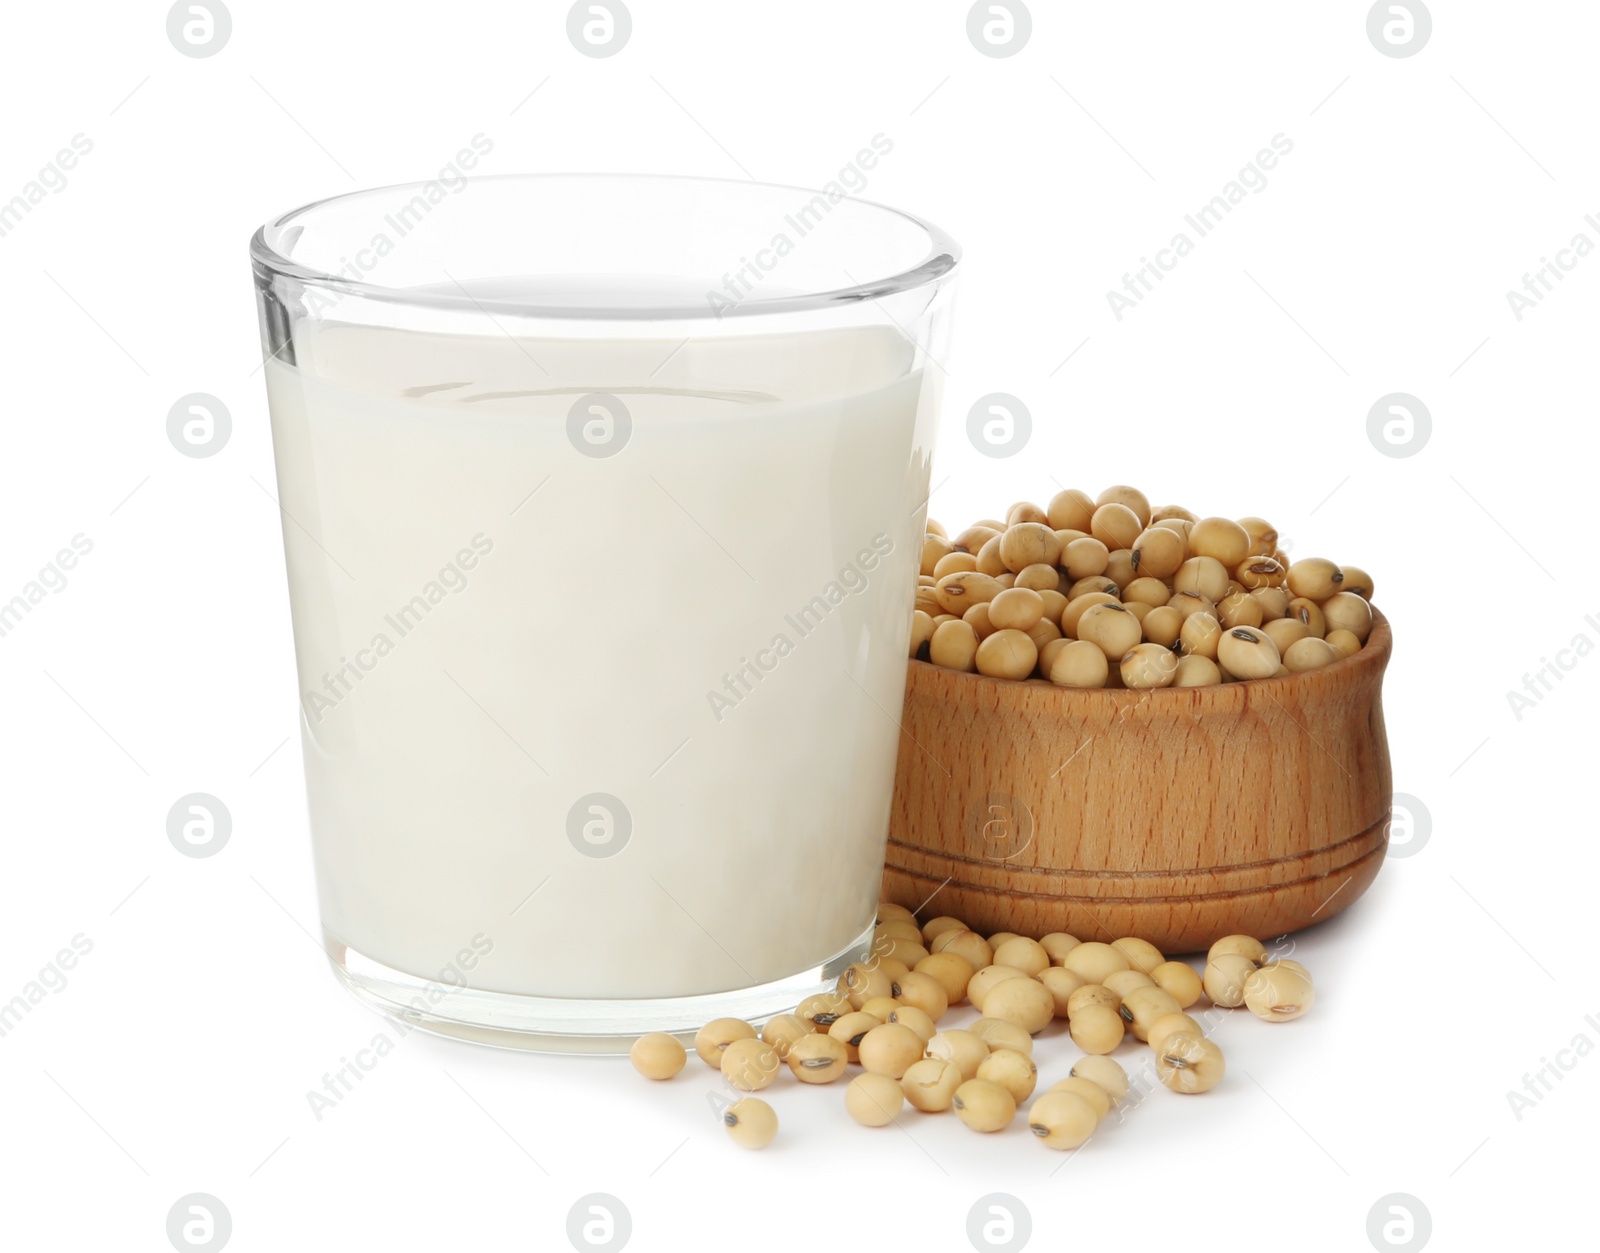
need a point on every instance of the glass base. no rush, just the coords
(553, 1025)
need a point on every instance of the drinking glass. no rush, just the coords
(602, 502)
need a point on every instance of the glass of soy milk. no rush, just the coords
(602, 506)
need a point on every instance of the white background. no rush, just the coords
(1377, 259)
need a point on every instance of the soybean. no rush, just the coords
(1062, 1120)
(984, 1105)
(657, 1055)
(930, 1084)
(716, 1035)
(873, 1100)
(751, 1123)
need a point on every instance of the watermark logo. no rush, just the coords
(51, 580)
(599, 825)
(402, 220)
(1541, 1082)
(852, 578)
(1542, 682)
(51, 979)
(1410, 824)
(1539, 284)
(753, 270)
(198, 425)
(999, 425)
(1399, 425)
(1399, 1221)
(999, 28)
(341, 1082)
(50, 180)
(1251, 180)
(199, 30)
(999, 1223)
(1399, 29)
(599, 29)
(450, 580)
(599, 1223)
(199, 825)
(1001, 826)
(198, 1223)
(599, 425)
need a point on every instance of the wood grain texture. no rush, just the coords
(1177, 815)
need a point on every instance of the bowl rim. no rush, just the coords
(1366, 665)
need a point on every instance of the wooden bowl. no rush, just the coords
(1177, 815)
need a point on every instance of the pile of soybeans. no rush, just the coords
(883, 1018)
(1109, 592)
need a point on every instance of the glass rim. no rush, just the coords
(942, 258)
